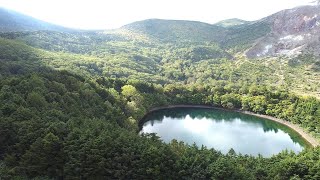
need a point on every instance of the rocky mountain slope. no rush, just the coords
(293, 32)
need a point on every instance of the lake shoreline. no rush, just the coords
(309, 138)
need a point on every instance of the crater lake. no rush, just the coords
(222, 130)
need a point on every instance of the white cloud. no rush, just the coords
(101, 14)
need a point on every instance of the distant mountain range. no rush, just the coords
(14, 21)
(286, 33)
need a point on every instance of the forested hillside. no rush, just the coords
(97, 53)
(231, 22)
(72, 102)
(56, 124)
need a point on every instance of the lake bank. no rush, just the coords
(310, 139)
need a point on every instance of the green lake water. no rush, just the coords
(223, 130)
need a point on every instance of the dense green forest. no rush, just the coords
(57, 124)
(72, 102)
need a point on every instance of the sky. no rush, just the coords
(110, 14)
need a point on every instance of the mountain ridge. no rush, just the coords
(11, 20)
(290, 32)
(231, 22)
(173, 30)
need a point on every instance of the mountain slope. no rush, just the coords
(237, 37)
(287, 33)
(293, 32)
(176, 30)
(14, 21)
(231, 22)
(241, 37)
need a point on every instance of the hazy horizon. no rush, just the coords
(97, 14)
